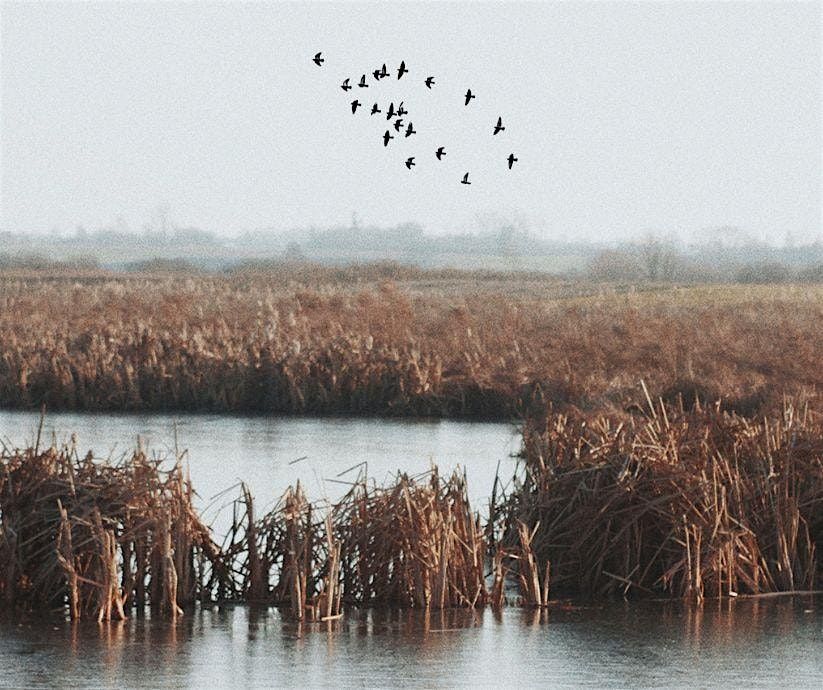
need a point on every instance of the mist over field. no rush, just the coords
(657, 119)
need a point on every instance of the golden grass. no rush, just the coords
(445, 347)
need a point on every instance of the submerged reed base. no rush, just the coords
(681, 502)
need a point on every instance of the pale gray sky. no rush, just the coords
(662, 116)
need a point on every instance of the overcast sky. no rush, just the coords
(625, 118)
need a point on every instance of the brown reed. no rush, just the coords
(449, 348)
(101, 538)
(690, 503)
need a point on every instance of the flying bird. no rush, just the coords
(363, 84)
(402, 69)
(465, 179)
(375, 109)
(384, 72)
(410, 162)
(469, 96)
(499, 126)
(318, 60)
(386, 138)
(512, 160)
(410, 130)
(345, 85)
(429, 81)
(398, 124)
(390, 112)
(401, 111)
(440, 153)
(355, 104)
(376, 75)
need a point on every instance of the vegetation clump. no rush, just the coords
(683, 502)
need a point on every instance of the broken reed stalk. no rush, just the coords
(690, 503)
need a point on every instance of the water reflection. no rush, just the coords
(742, 643)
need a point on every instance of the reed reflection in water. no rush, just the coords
(747, 643)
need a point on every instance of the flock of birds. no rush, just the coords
(398, 112)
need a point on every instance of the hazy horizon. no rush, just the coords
(626, 118)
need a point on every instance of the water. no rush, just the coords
(269, 453)
(740, 643)
(744, 643)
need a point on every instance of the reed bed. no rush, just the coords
(101, 539)
(259, 344)
(414, 543)
(681, 502)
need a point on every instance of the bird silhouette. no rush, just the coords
(499, 126)
(465, 179)
(410, 130)
(402, 69)
(318, 60)
(398, 124)
(390, 111)
(386, 138)
(440, 153)
(355, 104)
(429, 81)
(363, 84)
(401, 111)
(384, 72)
(512, 160)
(469, 96)
(376, 75)
(410, 162)
(375, 109)
(345, 85)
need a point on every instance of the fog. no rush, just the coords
(627, 119)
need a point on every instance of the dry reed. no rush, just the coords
(253, 343)
(691, 503)
(100, 538)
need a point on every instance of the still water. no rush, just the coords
(741, 643)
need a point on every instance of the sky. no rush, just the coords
(662, 117)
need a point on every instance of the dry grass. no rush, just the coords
(440, 347)
(414, 543)
(101, 539)
(686, 503)
(689, 503)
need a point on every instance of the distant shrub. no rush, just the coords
(38, 262)
(161, 265)
(811, 274)
(617, 266)
(763, 273)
